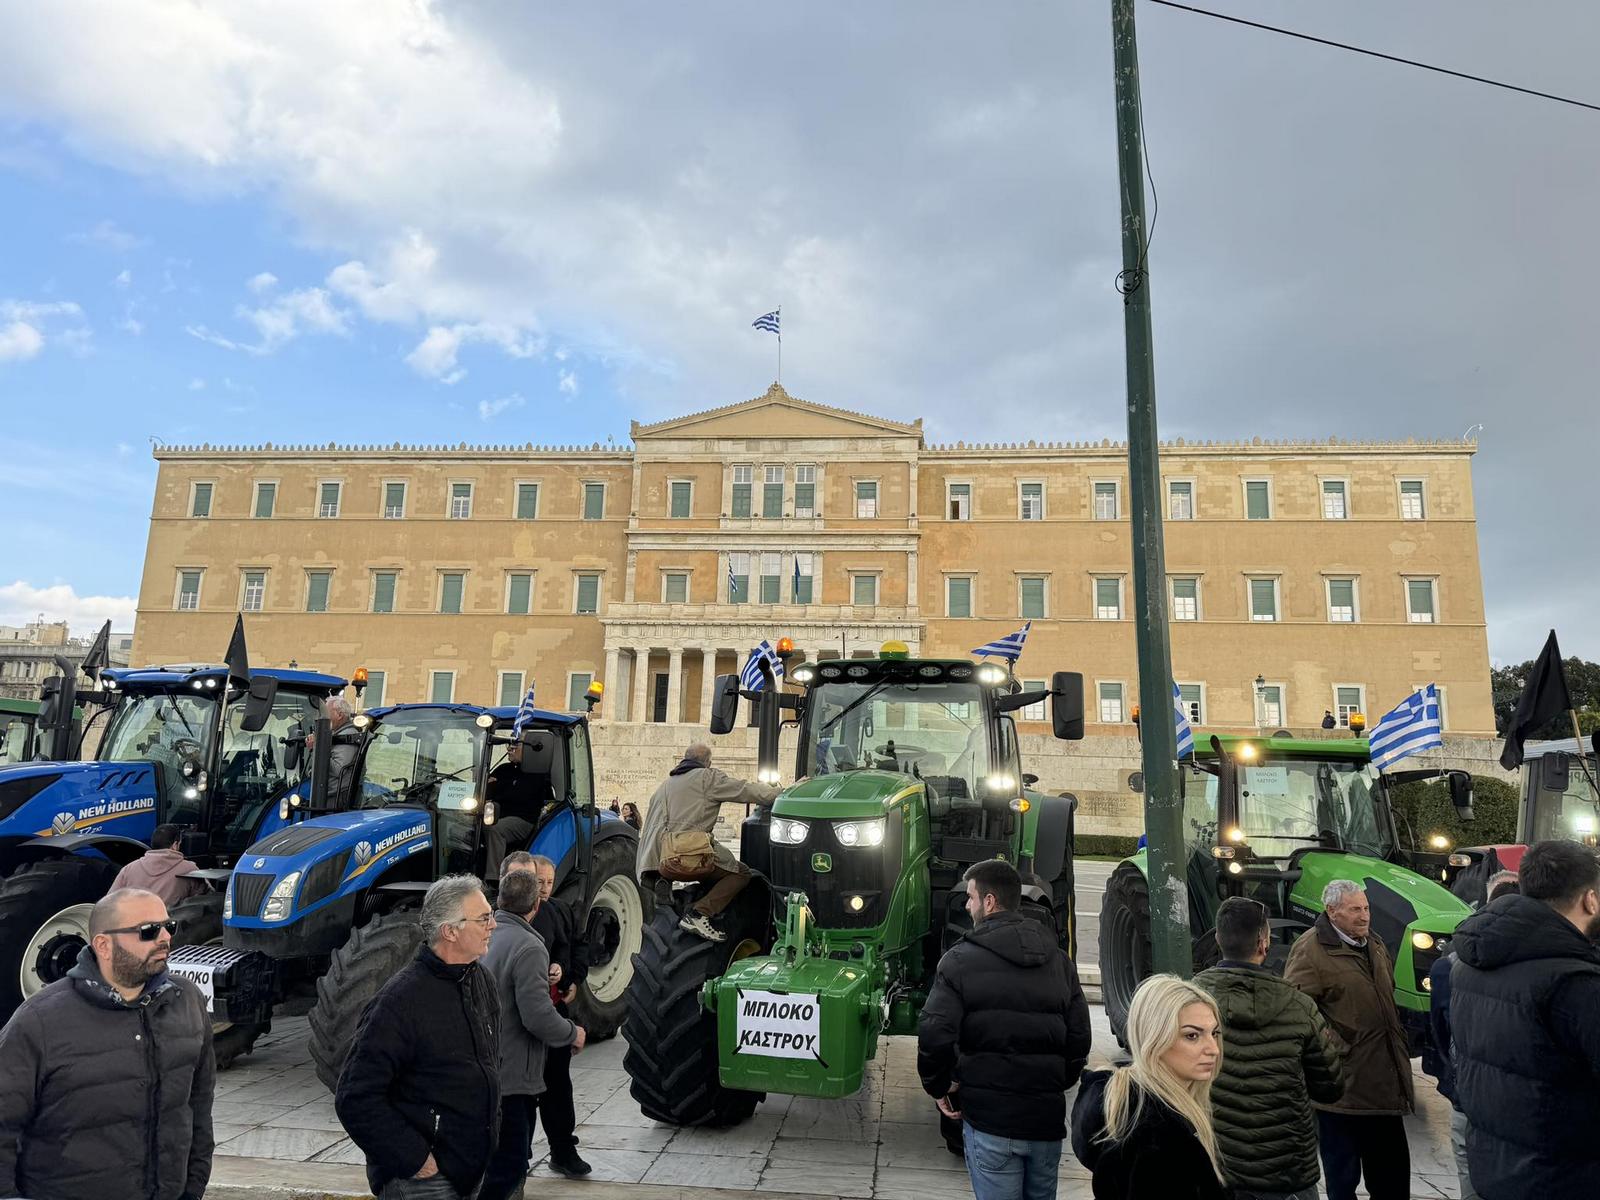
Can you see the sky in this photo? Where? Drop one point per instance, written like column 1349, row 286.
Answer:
column 505, row 222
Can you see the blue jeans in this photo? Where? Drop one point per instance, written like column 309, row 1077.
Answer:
column 1010, row 1168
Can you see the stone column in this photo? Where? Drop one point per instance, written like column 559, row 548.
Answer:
column 611, row 707
column 675, row 685
column 708, row 679
column 638, row 712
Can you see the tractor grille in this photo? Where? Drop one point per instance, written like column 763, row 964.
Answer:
column 868, row 872
column 248, row 893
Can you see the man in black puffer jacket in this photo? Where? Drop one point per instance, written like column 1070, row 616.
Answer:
column 1525, row 1018
column 1003, row 1036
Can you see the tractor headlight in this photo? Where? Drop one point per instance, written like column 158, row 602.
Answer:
column 859, row 833
column 788, row 833
column 1460, row 860
column 282, row 898
column 1422, row 941
column 227, row 902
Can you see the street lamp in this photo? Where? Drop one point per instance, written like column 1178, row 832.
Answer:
column 1261, row 702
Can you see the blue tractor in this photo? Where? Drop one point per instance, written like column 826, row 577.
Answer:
column 183, row 745
column 331, row 900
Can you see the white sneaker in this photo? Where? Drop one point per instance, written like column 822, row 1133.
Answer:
column 701, row 926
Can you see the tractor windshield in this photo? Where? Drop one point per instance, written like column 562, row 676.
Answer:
column 1292, row 804
column 422, row 757
column 1569, row 816
column 252, row 771
column 16, row 737
column 173, row 732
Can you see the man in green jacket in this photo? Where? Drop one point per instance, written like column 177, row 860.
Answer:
column 1277, row 1058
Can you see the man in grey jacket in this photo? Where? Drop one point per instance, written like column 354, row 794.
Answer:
column 520, row 964
column 106, row 1076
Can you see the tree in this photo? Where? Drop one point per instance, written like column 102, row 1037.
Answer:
column 1583, row 682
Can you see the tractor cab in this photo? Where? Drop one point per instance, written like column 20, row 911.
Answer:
column 19, row 724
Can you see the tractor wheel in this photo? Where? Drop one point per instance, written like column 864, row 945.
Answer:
column 374, row 954
column 613, row 931
column 1124, row 944
column 199, row 921
column 672, row 1041
column 44, row 923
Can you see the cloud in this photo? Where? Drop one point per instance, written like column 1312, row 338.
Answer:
column 124, row 278
column 307, row 310
column 197, row 384
column 131, row 324
column 488, row 410
column 19, row 341
column 107, row 236
column 435, row 355
column 21, row 602
column 568, row 383
column 263, row 282
column 26, row 325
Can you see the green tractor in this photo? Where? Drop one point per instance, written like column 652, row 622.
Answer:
column 910, row 773
column 1277, row 819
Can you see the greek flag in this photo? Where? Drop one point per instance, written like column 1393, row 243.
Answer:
column 769, row 322
column 524, row 716
column 733, row 583
column 1008, row 647
column 751, row 679
column 795, row 594
column 1185, row 730
column 1410, row 728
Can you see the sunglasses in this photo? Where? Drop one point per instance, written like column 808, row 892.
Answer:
column 150, row 930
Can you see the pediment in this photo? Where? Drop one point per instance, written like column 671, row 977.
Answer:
column 776, row 414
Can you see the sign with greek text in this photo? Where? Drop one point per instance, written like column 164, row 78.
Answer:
column 779, row 1026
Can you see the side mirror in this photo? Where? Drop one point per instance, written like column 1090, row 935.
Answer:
column 1029, row 779
column 1555, row 772
column 1461, row 794
column 1066, row 705
column 538, row 752
column 724, row 704
column 294, row 747
column 258, row 703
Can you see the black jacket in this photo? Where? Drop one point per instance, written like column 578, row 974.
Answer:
column 1525, row 1017
column 101, row 1097
column 1160, row 1158
column 555, row 923
column 1007, row 1021
column 423, row 1075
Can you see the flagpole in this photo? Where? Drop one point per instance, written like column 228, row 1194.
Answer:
column 780, row 345
column 1583, row 762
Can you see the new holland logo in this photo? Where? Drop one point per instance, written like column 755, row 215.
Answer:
column 259, row 863
column 363, row 853
column 63, row 823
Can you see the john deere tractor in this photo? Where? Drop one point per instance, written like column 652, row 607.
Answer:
column 911, row 773
column 1277, row 819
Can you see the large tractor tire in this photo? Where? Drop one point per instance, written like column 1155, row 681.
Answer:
column 613, row 931
column 374, row 954
column 672, row 1041
column 44, row 923
column 1124, row 944
column 199, row 921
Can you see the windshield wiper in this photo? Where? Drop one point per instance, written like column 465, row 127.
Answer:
column 175, row 707
column 436, row 777
column 853, row 705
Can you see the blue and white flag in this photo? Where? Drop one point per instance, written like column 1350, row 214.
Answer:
column 733, row 583
column 1008, row 647
column 1185, row 730
column 525, row 714
column 1412, row 726
column 751, row 679
column 795, row 594
column 769, row 322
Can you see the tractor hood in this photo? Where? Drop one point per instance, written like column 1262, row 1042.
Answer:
column 850, row 794
column 60, row 799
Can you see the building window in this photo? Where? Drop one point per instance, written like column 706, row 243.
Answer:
column 742, row 476
column 675, row 587
column 679, row 492
column 188, row 591
column 1031, row 501
column 519, row 593
column 254, row 593
column 1032, row 589
column 1347, row 699
column 372, row 697
column 442, row 687
column 328, row 499
column 958, row 501
column 771, row 578
column 1334, row 507
column 1411, row 502
column 863, row 589
column 1180, row 500
column 772, row 493
column 1257, row 500
column 1106, row 507
column 1108, row 599
column 594, row 501
column 866, row 499
column 317, row 590
column 577, row 689
column 1342, row 601
column 1269, row 705
column 1263, row 599
column 266, row 500
column 451, row 585
column 200, row 499
column 1192, row 700
column 804, row 572
column 511, row 692
column 1111, row 704
column 1037, row 710
column 1422, row 601
column 805, row 490
column 958, row 596
column 588, row 594
column 394, row 501
column 460, row 501
column 383, row 591
column 738, row 577
column 527, row 501
column 1185, row 598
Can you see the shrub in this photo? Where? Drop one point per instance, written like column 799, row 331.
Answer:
column 1428, row 809
column 1118, row 845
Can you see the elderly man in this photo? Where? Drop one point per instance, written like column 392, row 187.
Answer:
column 344, row 747
column 107, row 1084
column 689, row 801
column 420, row 1092
column 1345, row 967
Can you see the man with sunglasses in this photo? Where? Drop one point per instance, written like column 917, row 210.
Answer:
column 108, row 1074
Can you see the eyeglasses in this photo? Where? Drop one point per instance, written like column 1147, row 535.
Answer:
column 149, row 931
column 482, row 922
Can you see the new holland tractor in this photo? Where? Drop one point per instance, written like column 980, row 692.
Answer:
column 183, row 746
column 1276, row 819
column 319, row 915
column 910, row 773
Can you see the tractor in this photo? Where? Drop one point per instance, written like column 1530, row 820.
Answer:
column 910, row 773
column 20, row 740
column 1276, row 819
column 323, row 912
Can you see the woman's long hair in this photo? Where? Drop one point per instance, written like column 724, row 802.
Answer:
column 1153, row 1026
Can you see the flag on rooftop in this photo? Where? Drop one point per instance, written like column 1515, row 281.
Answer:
column 1185, row 730
column 525, row 712
column 751, row 679
column 1409, row 728
column 769, row 322
column 1008, row 647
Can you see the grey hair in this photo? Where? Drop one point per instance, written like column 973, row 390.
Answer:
column 336, row 704
column 1500, row 877
column 1337, row 892
column 539, row 860
column 442, row 905
column 698, row 751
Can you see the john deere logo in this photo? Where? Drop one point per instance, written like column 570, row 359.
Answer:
column 821, row 862
column 63, row 823
column 363, row 852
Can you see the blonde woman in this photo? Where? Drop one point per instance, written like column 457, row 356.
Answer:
column 1144, row 1130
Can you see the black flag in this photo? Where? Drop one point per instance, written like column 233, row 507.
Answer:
column 99, row 656
column 238, row 661
column 1544, row 697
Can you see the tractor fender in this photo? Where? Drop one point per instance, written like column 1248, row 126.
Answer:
column 120, row 850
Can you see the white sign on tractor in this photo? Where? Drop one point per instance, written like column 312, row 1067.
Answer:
column 779, row 1026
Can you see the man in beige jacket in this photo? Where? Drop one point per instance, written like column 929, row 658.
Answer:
column 689, row 800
